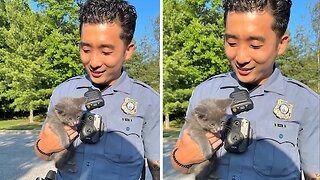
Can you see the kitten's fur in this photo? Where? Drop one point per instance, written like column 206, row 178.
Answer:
column 208, row 116
column 67, row 111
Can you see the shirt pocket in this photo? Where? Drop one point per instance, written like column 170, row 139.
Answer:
column 123, row 142
column 276, row 152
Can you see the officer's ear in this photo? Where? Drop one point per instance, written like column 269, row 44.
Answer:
column 129, row 51
column 283, row 43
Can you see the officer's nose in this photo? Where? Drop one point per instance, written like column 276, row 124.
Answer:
column 95, row 60
column 242, row 56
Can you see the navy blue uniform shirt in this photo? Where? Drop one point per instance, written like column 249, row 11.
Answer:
column 285, row 122
column 127, row 138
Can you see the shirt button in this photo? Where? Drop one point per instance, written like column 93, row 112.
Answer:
column 128, row 129
column 234, row 177
column 280, row 136
column 88, row 163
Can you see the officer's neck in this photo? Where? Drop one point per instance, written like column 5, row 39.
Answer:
column 249, row 87
column 101, row 87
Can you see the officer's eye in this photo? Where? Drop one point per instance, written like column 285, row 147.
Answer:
column 106, row 53
column 232, row 44
column 86, row 51
column 255, row 46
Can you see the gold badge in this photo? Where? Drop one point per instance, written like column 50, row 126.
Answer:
column 283, row 109
column 129, row 106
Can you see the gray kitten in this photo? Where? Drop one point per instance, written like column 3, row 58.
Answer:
column 67, row 111
column 208, row 116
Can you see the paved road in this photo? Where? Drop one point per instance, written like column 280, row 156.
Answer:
column 168, row 172
column 17, row 158
column 18, row 161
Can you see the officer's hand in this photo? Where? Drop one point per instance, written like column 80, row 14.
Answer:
column 215, row 141
column 49, row 142
column 188, row 151
column 71, row 131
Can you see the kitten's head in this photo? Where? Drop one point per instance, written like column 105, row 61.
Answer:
column 69, row 110
column 211, row 114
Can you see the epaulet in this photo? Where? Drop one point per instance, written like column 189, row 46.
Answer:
column 217, row 76
column 144, row 85
column 73, row 78
column 301, row 85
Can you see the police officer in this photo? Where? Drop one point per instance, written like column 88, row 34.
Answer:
column 131, row 111
column 285, row 117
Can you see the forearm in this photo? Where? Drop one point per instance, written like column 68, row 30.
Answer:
column 40, row 152
column 312, row 176
column 177, row 165
column 154, row 167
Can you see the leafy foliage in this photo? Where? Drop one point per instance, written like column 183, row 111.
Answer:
column 39, row 49
column 144, row 63
column 301, row 60
column 193, row 49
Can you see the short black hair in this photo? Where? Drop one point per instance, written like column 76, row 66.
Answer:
column 105, row 11
column 280, row 9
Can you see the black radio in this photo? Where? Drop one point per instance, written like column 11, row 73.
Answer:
column 240, row 101
column 91, row 126
column 93, row 99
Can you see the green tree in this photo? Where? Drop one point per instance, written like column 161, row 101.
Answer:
column 23, row 70
column 62, row 42
column 39, row 51
column 301, row 60
column 193, row 49
column 144, row 63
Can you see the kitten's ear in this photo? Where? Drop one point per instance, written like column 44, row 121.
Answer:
column 224, row 103
column 80, row 101
column 200, row 113
column 59, row 108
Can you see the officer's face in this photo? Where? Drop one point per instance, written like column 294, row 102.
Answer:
column 252, row 46
column 102, row 52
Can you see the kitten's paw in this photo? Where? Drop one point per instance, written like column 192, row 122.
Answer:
column 65, row 144
column 207, row 152
column 72, row 168
column 71, row 162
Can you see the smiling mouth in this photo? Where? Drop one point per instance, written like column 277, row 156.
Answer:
column 96, row 74
column 244, row 71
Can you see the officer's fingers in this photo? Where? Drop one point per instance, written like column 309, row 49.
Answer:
column 213, row 139
column 211, row 135
column 68, row 128
column 71, row 132
column 73, row 135
column 216, row 144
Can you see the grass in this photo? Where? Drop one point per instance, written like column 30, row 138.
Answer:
column 19, row 124
column 172, row 132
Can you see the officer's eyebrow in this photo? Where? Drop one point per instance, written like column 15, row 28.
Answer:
column 250, row 38
column 84, row 44
column 230, row 36
column 257, row 38
column 110, row 46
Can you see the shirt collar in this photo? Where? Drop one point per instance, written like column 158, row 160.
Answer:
column 122, row 84
column 273, row 84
